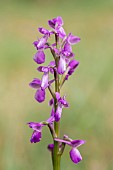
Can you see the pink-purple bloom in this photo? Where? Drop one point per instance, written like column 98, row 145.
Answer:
column 41, row 43
column 39, row 57
column 61, row 102
column 71, row 39
column 67, row 50
column 62, row 65
column 50, row 147
column 74, row 152
column 57, row 24
column 40, row 93
column 44, row 31
column 73, row 64
column 37, row 127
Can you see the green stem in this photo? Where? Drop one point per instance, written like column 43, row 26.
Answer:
column 56, row 158
column 56, row 155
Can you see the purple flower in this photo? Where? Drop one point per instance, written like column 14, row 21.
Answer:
column 67, row 50
column 62, row 65
column 74, row 152
column 39, row 57
column 41, row 43
column 40, row 93
column 60, row 31
column 50, row 147
column 41, row 85
column 73, row 64
column 37, row 127
column 44, row 31
column 61, row 102
column 35, row 83
column 56, row 24
column 71, row 39
column 45, row 78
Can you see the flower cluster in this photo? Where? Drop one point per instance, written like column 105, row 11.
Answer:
column 60, row 68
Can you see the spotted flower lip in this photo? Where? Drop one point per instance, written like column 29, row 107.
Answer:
column 74, row 152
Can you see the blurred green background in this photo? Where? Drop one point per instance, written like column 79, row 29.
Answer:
column 89, row 91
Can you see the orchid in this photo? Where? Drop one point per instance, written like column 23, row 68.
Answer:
column 61, row 102
column 54, row 75
column 37, row 127
column 40, row 93
column 74, row 152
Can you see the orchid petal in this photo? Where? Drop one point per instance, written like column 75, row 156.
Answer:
column 53, row 112
column 36, row 137
column 61, row 32
column 45, row 79
column 50, row 147
column 75, row 155
column 77, row 143
column 51, row 102
column 35, row 126
column 58, row 113
column 43, row 69
column 73, row 39
column 35, row 83
column 43, row 31
column 63, row 141
column 42, row 41
column 62, row 65
column 39, row 57
column 57, row 96
column 72, row 66
column 50, row 120
column 55, row 22
column 40, row 95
